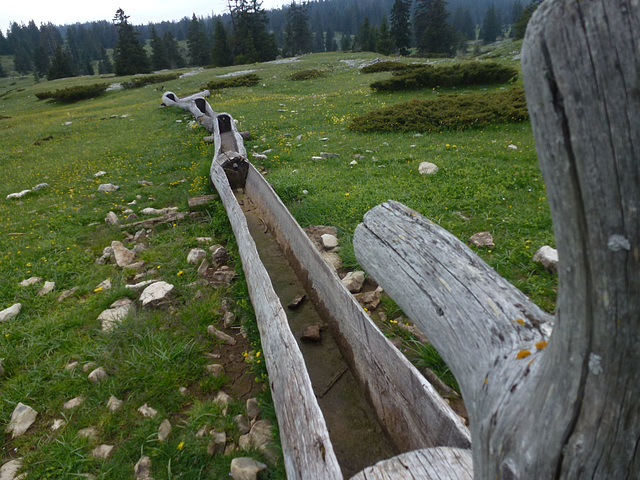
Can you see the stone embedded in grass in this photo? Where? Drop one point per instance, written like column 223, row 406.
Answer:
column 146, row 411
column 9, row 470
column 219, row 254
column 58, row 423
column 158, row 211
column 104, row 285
column 30, row 281
column 67, row 293
column 9, row 313
column 99, row 174
column 102, row 452
column 427, row 168
column 113, row 404
column 71, row 365
column 98, row 375
column 329, row 241
column 112, row 219
column 242, row 423
column 482, row 239
column 203, row 268
column 253, row 408
column 223, row 337
column 107, row 188
column 156, row 293
column 316, row 158
column 246, row 468
column 548, row 257
column 217, row 443
column 333, row 259
column 18, row 194
column 122, row 254
column 228, row 319
column 140, row 285
column 142, row 469
column 90, row 433
column 354, row 281
column 223, row 275
column 196, row 255
column 22, row 418
column 73, row 403
column 47, row 288
column 215, row 370
column 164, row 430
column 112, row 316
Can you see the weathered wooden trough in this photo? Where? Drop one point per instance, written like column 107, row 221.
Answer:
column 411, row 413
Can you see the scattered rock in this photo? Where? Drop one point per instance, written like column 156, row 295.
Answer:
column 219, row 255
column 30, row 281
column 217, row 443
column 108, row 188
column 122, row 254
column 18, row 194
column 89, row 366
column 548, row 257
column 196, row 256
column 246, row 468
column 111, row 317
column 146, row 411
column 102, row 452
column 333, row 259
column 242, row 423
column 223, row 276
column 47, row 288
column 71, row 365
column 156, row 293
column 145, row 183
column 22, row 418
column 482, row 239
column 369, row 300
column 253, row 408
column 139, row 285
column 98, row 375
column 427, row 168
column 158, row 211
column 183, row 390
column 11, row 312
column 73, row 403
column 311, row 334
column 197, row 203
column 223, row 400
column 262, row 439
column 296, row 302
column 112, row 219
column 90, row 433
column 164, row 430
column 9, row 471
column 354, row 281
column 228, row 319
column 204, row 239
column 113, row 404
column 203, row 268
column 140, row 234
column 142, row 469
column 215, row 370
column 67, row 293
column 57, row 424
column 329, row 241
column 412, row 329
column 223, row 337
column 99, row 174
column 104, row 285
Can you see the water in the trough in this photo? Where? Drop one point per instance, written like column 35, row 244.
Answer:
column 355, row 433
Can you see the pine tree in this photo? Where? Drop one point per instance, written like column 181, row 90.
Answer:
column 490, row 26
column 345, row 42
column 104, row 64
column 61, row 65
column 401, row 25
column 367, row 36
column 40, row 61
column 434, row 35
column 197, row 43
column 463, row 23
column 220, row 52
column 22, row 60
column 2, row 72
column 129, row 55
column 521, row 25
column 318, row 41
column 298, row 37
column 384, row 44
column 330, row 44
column 250, row 40
column 159, row 58
column 176, row 60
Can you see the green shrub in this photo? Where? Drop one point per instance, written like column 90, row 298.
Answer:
column 385, row 66
column 149, row 79
column 458, row 75
column 73, row 94
column 306, row 75
column 456, row 112
column 247, row 80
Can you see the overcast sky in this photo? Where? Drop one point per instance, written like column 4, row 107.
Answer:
column 140, row 11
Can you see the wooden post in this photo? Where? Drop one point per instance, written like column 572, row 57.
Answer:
column 571, row 410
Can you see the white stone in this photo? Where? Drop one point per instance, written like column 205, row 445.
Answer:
column 146, row 411
column 11, row 312
column 123, row 255
column 353, row 162
column 104, row 285
column 333, row 259
column 196, row 255
column 9, row 470
column 107, row 187
column 204, row 239
column 482, row 239
column 142, row 469
column 18, row 194
column 90, row 433
column 217, row 444
column 246, row 468
column 112, row 219
column 158, row 211
column 512, row 146
column 215, row 370
column 164, row 430
column 253, row 408
column 220, row 335
column 548, row 257
column 30, row 281
column 353, row 281
column 22, row 418
column 47, row 288
column 427, row 168
column 98, row 375
column 99, row 174
column 73, row 403
column 156, row 293
column 111, row 317
column 71, row 365
column 58, row 423
column 113, row 404
column 140, row 285
column 315, row 157
column 102, row 451
column 329, row 241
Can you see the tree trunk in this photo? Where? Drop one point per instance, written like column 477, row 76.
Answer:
column 570, row 411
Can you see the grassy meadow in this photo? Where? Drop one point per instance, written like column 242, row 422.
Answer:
column 57, row 233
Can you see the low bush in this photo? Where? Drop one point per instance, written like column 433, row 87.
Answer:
column 247, row 80
column 458, row 75
column 455, row 112
column 385, row 66
column 73, row 94
column 306, row 75
column 149, row 79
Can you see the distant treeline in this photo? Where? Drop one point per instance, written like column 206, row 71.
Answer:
column 301, row 27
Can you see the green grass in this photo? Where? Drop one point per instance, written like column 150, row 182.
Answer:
column 58, row 232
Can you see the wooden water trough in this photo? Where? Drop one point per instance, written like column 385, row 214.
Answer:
column 409, row 410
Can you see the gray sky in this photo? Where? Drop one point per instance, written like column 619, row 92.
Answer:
column 140, row 11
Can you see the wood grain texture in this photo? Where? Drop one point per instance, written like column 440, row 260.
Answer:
column 441, row 463
column 571, row 410
column 408, row 407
